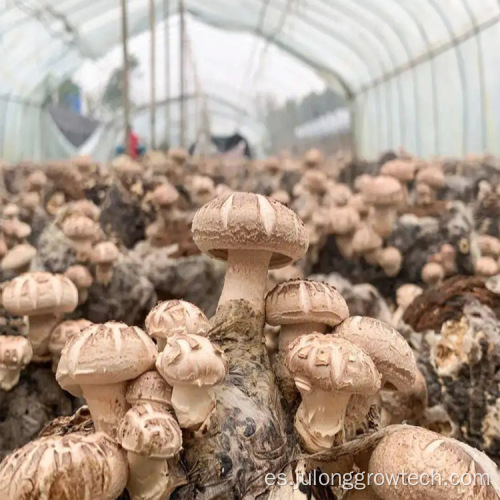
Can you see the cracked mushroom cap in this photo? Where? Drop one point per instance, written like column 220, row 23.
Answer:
column 387, row 348
column 420, row 451
column 366, row 240
column 105, row 354
column 300, row 301
column 246, row 221
column 344, row 220
column 15, row 351
column 70, row 467
column 149, row 387
column 64, row 332
column 165, row 195
column 80, row 276
column 105, row 253
column 432, row 176
column 191, row 360
column 406, row 294
column 149, row 430
column 176, row 316
column 39, row 293
column 18, row 257
column 383, row 191
column 331, row 364
column 403, row 171
column 79, row 227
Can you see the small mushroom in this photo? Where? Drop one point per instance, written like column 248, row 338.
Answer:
column 98, row 363
column 313, row 158
column 405, row 295
column 127, row 171
column 60, row 336
column 175, row 316
column 43, row 297
column 15, row 354
column 390, row 260
column 367, row 243
column 82, row 279
column 432, row 273
column 433, row 177
column 486, row 267
column 84, row 207
column 343, row 224
column 448, row 258
column 192, row 365
column 36, row 182
column 150, row 435
column 403, row 171
column 104, row 255
column 165, row 197
column 150, row 387
column 489, row 245
column 81, row 231
column 69, row 467
column 253, row 233
column 18, row 258
column 15, row 231
column 327, row 370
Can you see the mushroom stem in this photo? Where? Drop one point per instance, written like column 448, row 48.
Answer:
column 9, row 377
column 107, row 405
column 83, row 248
column 192, row 404
column 40, row 327
column 289, row 333
column 320, row 418
column 148, row 477
column 104, row 273
column 246, row 277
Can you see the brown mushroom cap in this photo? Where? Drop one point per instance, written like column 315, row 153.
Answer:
column 165, row 195
column 79, row 227
column 246, row 221
column 40, row 293
column 344, row 220
column 148, row 430
column 80, row 276
column 366, row 240
column 150, row 387
column 298, row 301
column 18, row 257
column 383, row 191
column 105, row 354
column 105, row 253
column 64, row 468
column 419, row 451
column 387, row 348
column 332, row 364
column 176, row 316
column 193, row 360
column 401, row 170
column 432, row 176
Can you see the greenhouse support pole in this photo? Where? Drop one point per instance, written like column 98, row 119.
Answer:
column 182, row 69
column 126, row 102
column 166, row 12
column 152, row 66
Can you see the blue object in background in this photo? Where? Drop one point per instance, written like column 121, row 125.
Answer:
column 73, row 102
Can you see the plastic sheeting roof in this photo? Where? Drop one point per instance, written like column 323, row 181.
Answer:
column 418, row 73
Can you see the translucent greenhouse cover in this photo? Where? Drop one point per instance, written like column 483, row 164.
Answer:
column 422, row 74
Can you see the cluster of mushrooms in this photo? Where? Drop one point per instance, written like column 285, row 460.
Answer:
column 149, row 389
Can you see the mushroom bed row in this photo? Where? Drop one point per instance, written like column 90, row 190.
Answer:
column 279, row 374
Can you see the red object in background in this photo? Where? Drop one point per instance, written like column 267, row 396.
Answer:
column 133, row 144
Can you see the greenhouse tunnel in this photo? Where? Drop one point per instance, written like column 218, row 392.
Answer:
column 421, row 75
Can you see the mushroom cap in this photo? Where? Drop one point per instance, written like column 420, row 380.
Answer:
column 178, row 154
column 432, row 176
column 300, row 301
column 150, row 387
column 18, row 257
column 165, row 195
column 314, row 180
column 339, row 194
column 30, row 200
column 401, row 170
column 85, row 207
column 65, row 467
column 383, row 191
column 15, row 351
column 406, row 294
column 191, row 360
column 82, row 161
column 36, row 180
column 246, row 221
column 105, row 354
column 486, row 266
column 15, row 228
column 38, row 293
column 344, row 220
column 64, row 332
column 448, row 251
column 489, row 245
column 432, row 272
column 272, row 164
column 124, row 165
column 11, row 211
column 390, row 260
column 361, row 182
column 332, row 364
column 79, row 227
column 421, row 451
column 80, row 276
column 313, row 157
column 387, row 348
column 357, row 201
column 201, row 184
column 176, row 316
column 148, row 429
column 366, row 240
column 281, row 196
column 104, row 253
